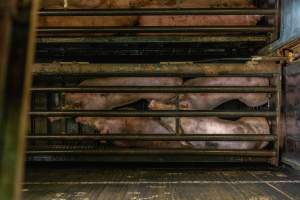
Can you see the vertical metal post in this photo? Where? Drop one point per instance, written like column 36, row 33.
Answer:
column 277, row 21
column 19, row 33
column 177, row 119
column 278, row 131
column 6, row 7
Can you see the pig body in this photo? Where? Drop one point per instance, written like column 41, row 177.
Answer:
column 92, row 4
column 208, row 101
column 88, row 21
column 108, row 101
column 135, row 126
column 210, row 125
column 201, row 20
column 213, row 125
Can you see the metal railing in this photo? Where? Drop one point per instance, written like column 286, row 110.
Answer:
column 267, row 69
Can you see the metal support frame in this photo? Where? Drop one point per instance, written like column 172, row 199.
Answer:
column 277, row 128
column 159, row 137
column 158, row 89
column 157, row 11
column 156, row 29
column 17, row 52
column 265, row 68
column 167, row 113
column 274, row 12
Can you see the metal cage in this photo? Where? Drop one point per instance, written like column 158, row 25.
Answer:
column 237, row 44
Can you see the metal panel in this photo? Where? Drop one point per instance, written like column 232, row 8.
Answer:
column 290, row 25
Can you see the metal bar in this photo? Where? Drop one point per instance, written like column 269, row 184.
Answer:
column 177, row 119
column 21, row 16
column 155, row 152
column 5, row 39
column 147, row 159
column 157, row 89
column 125, row 113
column 153, row 29
column 156, row 11
column 277, row 20
column 159, row 137
column 278, row 130
column 152, row 39
column 156, row 69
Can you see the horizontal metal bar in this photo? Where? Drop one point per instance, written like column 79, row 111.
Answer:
column 157, row 89
column 158, row 69
column 146, row 159
column 153, row 29
column 159, row 137
column 156, row 11
column 155, row 152
column 126, row 113
column 152, row 39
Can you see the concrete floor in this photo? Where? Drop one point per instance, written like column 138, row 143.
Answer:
column 137, row 182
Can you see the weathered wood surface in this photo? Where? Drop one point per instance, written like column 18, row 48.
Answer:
column 172, row 183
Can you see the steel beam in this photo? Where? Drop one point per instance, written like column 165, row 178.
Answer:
column 159, row 137
column 168, row 113
column 146, row 152
column 158, row 89
column 154, row 29
column 156, row 11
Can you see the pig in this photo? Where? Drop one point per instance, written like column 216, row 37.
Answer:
column 135, row 126
column 88, row 21
column 209, row 101
column 201, row 125
column 204, row 3
column 201, row 20
column 92, row 4
column 214, row 125
column 108, row 101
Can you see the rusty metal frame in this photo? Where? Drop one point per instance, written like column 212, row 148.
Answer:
column 275, row 12
column 260, row 67
column 257, row 67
